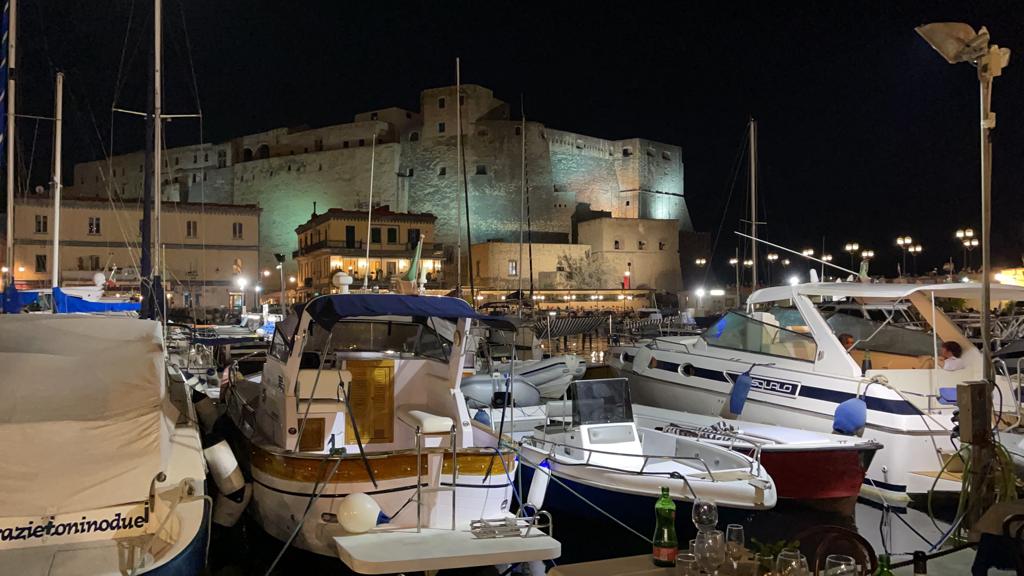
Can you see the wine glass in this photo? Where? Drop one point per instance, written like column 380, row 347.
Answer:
column 687, row 565
column 734, row 542
column 790, row 562
column 711, row 550
column 765, row 564
column 840, row 565
column 704, row 515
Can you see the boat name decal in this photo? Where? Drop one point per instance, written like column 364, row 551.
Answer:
column 772, row 386
column 114, row 522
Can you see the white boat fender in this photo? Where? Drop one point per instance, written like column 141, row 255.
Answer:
column 228, row 508
column 224, row 468
column 850, row 418
column 206, row 410
column 739, row 393
column 539, row 485
column 358, row 513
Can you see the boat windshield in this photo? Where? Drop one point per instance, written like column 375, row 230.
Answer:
column 879, row 336
column 402, row 338
column 764, row 334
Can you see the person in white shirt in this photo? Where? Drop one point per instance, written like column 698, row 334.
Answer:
column 950, row 356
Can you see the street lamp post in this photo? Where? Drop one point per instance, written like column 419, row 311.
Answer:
column 242, row 283
column 958, row 42
column 904, row 242
column 966, row 236
column 826, row 257
column 865, row 256
column 914, row 251
column 851, row 248
column 772, row 257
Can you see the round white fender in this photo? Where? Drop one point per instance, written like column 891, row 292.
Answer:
column 228, row 508
column 224, row 468
column 358, row 512
column 539, row 485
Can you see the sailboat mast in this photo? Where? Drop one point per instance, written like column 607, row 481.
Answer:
column 157, row 150
column 11, row 36
column 459, row 168
column 57, row 129
column 522, row 203
column 369, row 209
column 753, row 202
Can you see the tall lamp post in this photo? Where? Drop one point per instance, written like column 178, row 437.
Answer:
column 914, row 251
column 966, row 237
column 851, row 248
column 772, row 257
column 826, row 257
column 904, row 242
column 958, row 42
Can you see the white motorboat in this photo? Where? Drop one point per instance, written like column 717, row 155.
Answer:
column 551, row 376
column 103, row 467
column 799, row 375
column 360, row 445
column 621, row 468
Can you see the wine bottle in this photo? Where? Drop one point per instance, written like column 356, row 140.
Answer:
column 666, row 545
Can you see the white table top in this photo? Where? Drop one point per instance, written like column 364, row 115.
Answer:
column 403, row 550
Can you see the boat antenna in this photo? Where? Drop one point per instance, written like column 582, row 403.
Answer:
column 753, row 203
column 795, row 253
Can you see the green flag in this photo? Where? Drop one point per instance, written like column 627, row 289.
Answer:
column 410, row 276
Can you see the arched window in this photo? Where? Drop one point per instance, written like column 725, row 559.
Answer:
column 246, row 154
column 263, row 152
column 414, row 137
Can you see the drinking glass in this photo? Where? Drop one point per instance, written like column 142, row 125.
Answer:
column 790, row 563
column 765, row 564
column 693, row 546
column 687, row 565
column 711, row 550
column 840, row 565
column 704, row 515
column 734, row 542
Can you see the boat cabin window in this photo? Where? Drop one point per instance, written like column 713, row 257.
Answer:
column 763, row 335
column 601, row 401
column 403, row 338
column 878, row 336
column 279, row 347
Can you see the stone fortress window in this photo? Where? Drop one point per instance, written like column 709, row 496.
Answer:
column 641, row 245
column 441, row 103
column 414, row 137
column 373, row 115
column 616, row 245
column 627, row 152
column 442, row 171
column 661, row 245
column 519, row 130
column 665, row 155
column 440, row 127
column 481, row 169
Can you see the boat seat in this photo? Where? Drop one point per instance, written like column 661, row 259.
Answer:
column 417, row 417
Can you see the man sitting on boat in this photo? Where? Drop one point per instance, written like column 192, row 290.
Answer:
column 950, row 359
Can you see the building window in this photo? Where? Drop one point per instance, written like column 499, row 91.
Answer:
column 362, row 142
column 442, row 171
column 195, row 158
column 40, row 223
column 94, row 226
column 375, row 236
column 236, row 230
column 409, row 173
column 440, row 103
column 140, row 171
column 344, row 144
column 373, row 115
column 204, row 175
column 462, row 99
column 176, row 160
column 627, row 203
column 191, row 229
column 206, row 157
column 627, row 152
column 414, row 236
column 481, row 169
column 616, row 245
column 263, row 152
column 414, row 137
column 513, row 268
column 665, row 155
column 392, row 235
column 661, row 245
column 641, row 245
column 650, row 152
column 195, row 178
column 440, row 127
column 94, row 262
column 519, row 130
column 318, row 144
column 40, row 262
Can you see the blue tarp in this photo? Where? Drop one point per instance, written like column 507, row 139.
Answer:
column 67, row 304
column 327, row 310
column 15, row 300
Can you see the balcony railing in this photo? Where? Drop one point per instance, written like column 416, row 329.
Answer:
column 375, row 247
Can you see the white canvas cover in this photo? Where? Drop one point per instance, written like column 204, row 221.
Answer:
column 81, row 422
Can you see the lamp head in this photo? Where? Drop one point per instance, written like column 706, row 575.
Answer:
column 955, row 41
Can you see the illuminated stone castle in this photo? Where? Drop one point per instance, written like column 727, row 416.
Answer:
column 286, row 170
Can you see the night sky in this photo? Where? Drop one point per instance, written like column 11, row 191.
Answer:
column 865, row 132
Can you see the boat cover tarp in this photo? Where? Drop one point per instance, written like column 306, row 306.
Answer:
column 81, row 421
column 15, row 300
column 329, row 309
column 65, row 303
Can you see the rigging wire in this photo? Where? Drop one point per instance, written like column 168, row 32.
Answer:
column 725, row 209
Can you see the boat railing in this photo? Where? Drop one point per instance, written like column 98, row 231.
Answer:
column 551, row 447
column 999, row 367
